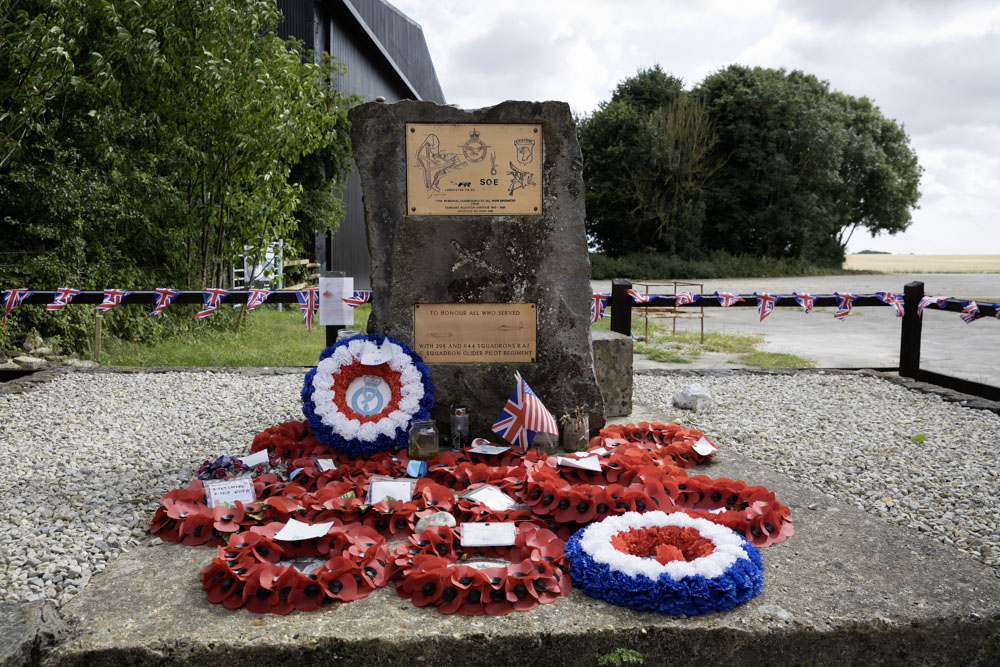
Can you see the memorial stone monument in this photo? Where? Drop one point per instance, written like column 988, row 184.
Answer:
column 475, row 223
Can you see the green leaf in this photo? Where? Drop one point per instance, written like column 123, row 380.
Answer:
column 919, row 437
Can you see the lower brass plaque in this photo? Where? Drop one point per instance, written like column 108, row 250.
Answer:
column 468, row 333
column 486, row 169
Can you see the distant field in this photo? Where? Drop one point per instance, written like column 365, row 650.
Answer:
column 924, row 263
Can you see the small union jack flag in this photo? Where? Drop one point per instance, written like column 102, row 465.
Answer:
column 112, row 298
column 359, row 297
column 727, row 299
column 684, row 298
column 640, row 298
column 12, row 298
column 970, row 312
column 894, row 299
column 928, row 300
column 309, row 303
column 765, row 303
column 257, row 296
column 62, row 296
column 996, row 310
column 213, row 296
column 845, row 301
column 523, row 416
column 597, row 303
column 805, row 299
column 164, row 297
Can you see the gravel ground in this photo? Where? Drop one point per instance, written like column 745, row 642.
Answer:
column 851, row 436
column 88, row 455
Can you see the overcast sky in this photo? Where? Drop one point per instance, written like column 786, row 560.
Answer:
column 932, row 65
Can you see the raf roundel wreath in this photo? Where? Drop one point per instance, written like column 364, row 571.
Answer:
column 359, row 409
column 670, row 563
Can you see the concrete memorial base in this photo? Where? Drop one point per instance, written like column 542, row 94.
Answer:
column 847, row 588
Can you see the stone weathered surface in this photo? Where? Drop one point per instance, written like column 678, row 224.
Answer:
column 693, row 397
column 30, row 363
column 27, row 631
column 613, row 368
column 479, row 259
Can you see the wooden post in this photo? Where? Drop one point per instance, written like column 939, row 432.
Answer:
column 621, row 306
column 909, row 342
column 98, row 316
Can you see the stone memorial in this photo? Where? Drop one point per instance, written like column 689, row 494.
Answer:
column 475, row 224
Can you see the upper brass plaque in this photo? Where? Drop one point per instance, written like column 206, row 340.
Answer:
column 487, row 169
column 467, row 333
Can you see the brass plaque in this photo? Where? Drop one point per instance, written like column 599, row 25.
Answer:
column 486, row 169
column 474, row 333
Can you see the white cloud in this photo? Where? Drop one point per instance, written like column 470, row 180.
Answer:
column 928, row 64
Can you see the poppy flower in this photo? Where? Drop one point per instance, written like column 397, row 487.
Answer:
column 343, row 581
column 227, row 519
column 196, row 529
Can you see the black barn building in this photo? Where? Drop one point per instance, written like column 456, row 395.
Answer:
column 386, row 56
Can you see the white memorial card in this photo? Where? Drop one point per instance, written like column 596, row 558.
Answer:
column 333, row 310
column 704, row 447
column 491, row 496
column 229, row 491
column 588, row 463
column 600, row 451
column 487, row 534
column 325, row 464
column 374, row 354
column 483, row 446
column 389, row 488
column 298, row 530
column 259, row 458
column 303, row 565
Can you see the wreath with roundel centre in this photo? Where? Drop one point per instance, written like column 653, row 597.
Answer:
column 358, row 407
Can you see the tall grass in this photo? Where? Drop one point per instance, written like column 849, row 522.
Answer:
column 645, row 266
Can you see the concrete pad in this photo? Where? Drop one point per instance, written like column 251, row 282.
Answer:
column 847, row 588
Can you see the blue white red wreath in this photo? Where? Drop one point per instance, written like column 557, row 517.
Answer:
column 360, row 410
column 728, row 576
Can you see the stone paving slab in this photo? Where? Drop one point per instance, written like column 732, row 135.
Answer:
column 846, row 589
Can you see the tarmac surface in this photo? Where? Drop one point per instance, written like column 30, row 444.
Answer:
column 868, row 338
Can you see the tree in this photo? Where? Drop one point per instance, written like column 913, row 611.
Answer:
column 803, row 166
column 153, row 142
column 645, row 161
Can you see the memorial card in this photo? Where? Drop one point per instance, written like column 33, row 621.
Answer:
column 487, row 534
column 218, row 492
column 704, row 447
column 333, row 310
column 325, row 464
column 390, row 488
column 298, row 530
column 258, row 458
column 589, row 463
column 491, row 496
column 484, row 446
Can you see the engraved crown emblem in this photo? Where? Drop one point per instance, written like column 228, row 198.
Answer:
column 524, row 142
column 474, row 135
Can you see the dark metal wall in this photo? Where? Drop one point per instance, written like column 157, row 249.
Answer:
column 386, row 56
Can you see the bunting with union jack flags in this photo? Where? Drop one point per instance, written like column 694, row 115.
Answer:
column 765, row 303
column 62, row 296
column 164, row 297
column 845, row 301
column 12, row 298
column 112, row 298
column 523, row 416
column 806, row 300
column 212, row 296
column 727, row 299
column 970, row 312
column 927, row 301
column 640, row 298
column 359, row 297
column 309, row 303
column 257, row 296
column 684, row 298
column 598, row 302
column 894, row 299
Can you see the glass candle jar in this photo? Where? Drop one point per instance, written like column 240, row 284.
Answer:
column 459, row 427
column 423, row 440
